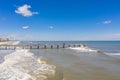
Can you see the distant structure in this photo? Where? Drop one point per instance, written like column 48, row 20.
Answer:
column 4, row 40
column 38, row 46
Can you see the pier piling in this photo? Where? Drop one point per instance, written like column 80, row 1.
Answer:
column 63, row 45
column 57, row 46
column 38, row 47
column 51, row 46
column 30, row 47
column 45, row 47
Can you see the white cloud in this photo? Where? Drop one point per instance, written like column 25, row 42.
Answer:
column 24, row 11
column 51, row 27
column 25, row 27
column 107, row 22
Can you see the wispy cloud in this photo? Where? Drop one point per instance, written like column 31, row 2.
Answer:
column 24, row 11
column 25, row 27
column 107, row 22
column 51, row 27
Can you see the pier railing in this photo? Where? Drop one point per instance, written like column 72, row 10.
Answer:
column 38, row 46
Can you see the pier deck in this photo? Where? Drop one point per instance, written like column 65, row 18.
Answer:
column 38, row 46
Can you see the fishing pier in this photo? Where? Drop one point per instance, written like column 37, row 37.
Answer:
column 38, row 46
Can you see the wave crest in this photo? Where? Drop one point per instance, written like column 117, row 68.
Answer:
column 85, row 49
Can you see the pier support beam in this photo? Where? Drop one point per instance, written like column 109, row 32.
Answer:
column 68, row 45
column 45, row 46
column 51, row 46
column 57, row 46
column 23, row 47
column 5, row 47
column 79, row 45
column 38, row 47
column 30, row 47
column 74, row 45
column 63, row 45
column 14, row 47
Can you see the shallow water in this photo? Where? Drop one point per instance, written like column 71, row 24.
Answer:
column 76, row 65
column 83, row 66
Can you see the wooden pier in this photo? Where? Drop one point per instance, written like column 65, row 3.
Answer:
column 38, row 46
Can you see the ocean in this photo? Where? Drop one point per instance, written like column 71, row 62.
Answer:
column 63, row 63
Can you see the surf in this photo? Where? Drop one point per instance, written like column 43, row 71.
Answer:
column 113, row 54
column 84, row 49
column 23, row 65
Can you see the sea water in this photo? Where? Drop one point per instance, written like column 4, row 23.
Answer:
column 63, row 64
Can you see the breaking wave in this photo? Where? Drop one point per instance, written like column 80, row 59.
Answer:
column 23, row 65
column 84, row 49
column 113, row 54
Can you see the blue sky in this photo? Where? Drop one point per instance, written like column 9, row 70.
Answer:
column 60, row 19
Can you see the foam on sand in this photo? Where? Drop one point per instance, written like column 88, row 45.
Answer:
column 23, row 65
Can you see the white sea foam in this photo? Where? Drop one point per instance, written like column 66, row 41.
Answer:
column 23, row 65
column 83, row 49
column 113, row 54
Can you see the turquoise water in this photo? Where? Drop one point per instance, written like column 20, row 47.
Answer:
column 78, row 65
